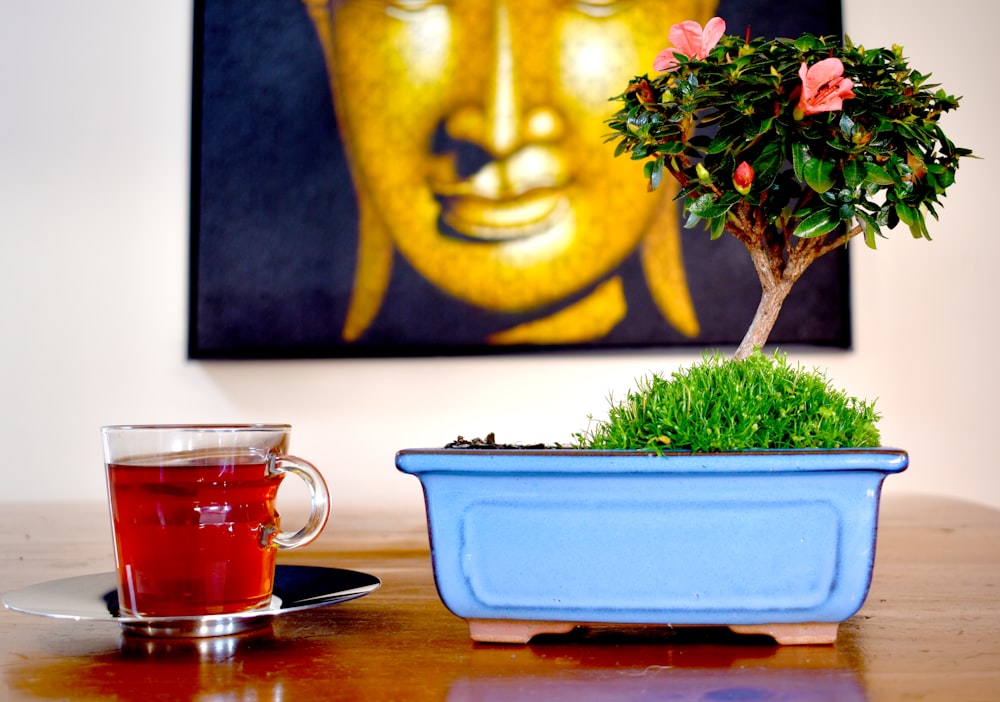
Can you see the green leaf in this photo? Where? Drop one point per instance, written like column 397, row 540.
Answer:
column 718, row 227
column 918, row 227
column 759, row 129
column 946, row 180
column 656, row 177
column 907, row 215
column 869, row 226
column 817, row 224
column 706, row 206
column 805, row 42
column 819, row 174
column 724, row 140
column 671, row 147
column 847, row 125
column 854, row 173
column 800, row 154
column 876, row 174
column 767, row 166
column 692, row 221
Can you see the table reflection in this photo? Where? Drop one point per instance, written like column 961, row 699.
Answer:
column 665, row 683
column 253, row 666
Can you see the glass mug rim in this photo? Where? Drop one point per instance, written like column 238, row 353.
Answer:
column 199, row 427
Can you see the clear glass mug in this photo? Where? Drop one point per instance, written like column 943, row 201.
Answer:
column 193, row 514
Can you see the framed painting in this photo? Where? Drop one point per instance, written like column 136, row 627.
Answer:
column 410, row 177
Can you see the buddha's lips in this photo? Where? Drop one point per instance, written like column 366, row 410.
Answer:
column 523, row 194
column 506, row 219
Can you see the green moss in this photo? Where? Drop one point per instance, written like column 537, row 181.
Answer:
column 760, row 402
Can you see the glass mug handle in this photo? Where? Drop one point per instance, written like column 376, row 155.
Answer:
column 319, row 496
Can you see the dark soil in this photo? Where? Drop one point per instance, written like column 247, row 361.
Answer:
column 490, row 442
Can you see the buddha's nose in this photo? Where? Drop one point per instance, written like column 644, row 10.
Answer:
column 498, row 121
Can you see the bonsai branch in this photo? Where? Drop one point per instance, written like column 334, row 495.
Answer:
column 780, row 260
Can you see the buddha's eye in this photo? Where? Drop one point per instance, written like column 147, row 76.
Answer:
column 404, row 6
column 601, row 8
column 412, row 10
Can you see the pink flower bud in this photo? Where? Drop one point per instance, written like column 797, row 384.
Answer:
column 743, row 178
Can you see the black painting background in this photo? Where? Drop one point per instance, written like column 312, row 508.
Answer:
column 273, row 215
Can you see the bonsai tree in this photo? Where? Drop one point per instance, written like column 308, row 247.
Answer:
column 794, row 147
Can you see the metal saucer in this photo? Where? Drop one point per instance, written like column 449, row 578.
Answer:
column 95, row 598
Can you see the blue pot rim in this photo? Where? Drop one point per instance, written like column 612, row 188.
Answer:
column 576, row 461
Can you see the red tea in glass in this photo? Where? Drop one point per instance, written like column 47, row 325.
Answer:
column 193, row 513
column 194, row 539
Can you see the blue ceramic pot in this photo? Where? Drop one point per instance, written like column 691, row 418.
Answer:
column 532, row 541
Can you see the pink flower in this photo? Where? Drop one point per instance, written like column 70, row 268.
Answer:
column 743, row 178
column 824, row 87
column 689, row 39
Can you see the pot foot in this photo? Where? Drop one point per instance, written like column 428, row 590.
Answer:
column 793, row 634
column 514, row 631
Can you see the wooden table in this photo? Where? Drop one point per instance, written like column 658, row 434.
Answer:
column 930, row 630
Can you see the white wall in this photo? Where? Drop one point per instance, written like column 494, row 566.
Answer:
column 94, row 100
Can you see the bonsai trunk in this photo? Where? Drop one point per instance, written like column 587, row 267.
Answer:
column 771, row 299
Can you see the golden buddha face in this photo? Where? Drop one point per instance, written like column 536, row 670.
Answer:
column 475, row 132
